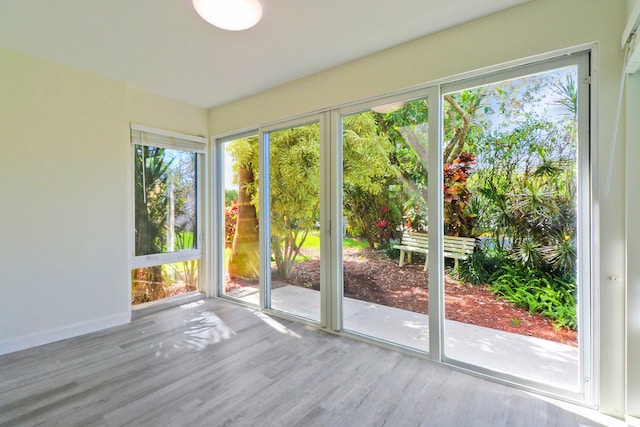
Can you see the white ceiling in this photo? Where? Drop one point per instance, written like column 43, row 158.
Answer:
column 164, row 47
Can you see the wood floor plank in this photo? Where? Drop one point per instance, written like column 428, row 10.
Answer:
column 213, row 363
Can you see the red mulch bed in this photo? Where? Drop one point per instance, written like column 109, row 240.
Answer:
column 373, row 277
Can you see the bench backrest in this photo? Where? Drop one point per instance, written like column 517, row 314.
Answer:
column 459, row 245
column 415, row 239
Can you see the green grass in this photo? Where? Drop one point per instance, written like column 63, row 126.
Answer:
column 353, row 243
column 313, row 242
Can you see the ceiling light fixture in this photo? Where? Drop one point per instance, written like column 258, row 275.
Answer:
column 232, row 15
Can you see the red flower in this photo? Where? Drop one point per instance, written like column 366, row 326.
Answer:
column 381, row 223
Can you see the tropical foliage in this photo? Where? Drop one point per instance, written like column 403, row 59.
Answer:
column 295, row 192
column 538, row 292
column 164, row 217
column 509, row 155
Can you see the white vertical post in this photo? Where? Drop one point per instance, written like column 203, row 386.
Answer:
column 436, row 227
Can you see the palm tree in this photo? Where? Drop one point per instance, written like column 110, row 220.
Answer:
column 151, row 202
column 245, row 249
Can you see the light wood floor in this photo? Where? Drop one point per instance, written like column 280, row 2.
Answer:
column 219, row 364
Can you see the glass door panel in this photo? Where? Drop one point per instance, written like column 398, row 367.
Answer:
column 510, row 156
column 294, row 200
column 240, row 169
column 384, row 206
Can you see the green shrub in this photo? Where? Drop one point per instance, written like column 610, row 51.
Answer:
column 480, row 266
column 538, row 292
column 392, row 252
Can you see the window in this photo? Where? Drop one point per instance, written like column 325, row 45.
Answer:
column 166, row 214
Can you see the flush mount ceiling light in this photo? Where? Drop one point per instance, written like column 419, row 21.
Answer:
column 233, row 15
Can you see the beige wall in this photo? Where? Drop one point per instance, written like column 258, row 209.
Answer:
column 64, row 179
column 63, row 168
column 534, row 28
column 148, row 109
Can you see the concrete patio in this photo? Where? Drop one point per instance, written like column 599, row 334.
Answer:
column 522, row 356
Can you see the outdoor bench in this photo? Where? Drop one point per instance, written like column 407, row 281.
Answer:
column 454, row 247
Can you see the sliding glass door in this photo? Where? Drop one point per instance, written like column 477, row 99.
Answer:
column 451, row 221
column 384, row 204
column 515, row 156
column 294, row 234
column 269, row 218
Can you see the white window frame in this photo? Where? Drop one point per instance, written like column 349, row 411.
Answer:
column 586, row 162
column 154, row 137
column 265, row 222
column 216, row 260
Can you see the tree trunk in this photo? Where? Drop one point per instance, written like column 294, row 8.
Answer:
column 456, row 145
column 244, row 259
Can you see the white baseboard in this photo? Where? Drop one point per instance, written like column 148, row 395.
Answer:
column 165, row 303
column 46, row 337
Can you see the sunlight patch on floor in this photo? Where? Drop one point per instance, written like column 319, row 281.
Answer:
column 274, row 323
column 206, row 329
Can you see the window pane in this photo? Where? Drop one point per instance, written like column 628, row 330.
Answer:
column 165, row 200
column 295, row 214
column 162, row 281
column 384, row 194
column 241, row 223
column 510, row 181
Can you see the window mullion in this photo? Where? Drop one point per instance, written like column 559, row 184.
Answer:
column 436, row 222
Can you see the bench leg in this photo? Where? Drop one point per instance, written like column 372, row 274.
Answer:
column 426, row 261
column 401, row 261
column 455, row 263
column 409, row 257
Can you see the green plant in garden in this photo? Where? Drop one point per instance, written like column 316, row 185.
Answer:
column 295, row 189
column 295, row 201
column 458, row 221
column 151, row 202
column 367, row 179
column 509, row 176
column 164, row 216
column 538, row 292
column 534, row 218
column 151, row 199
column 414, row 213
column 481, row 265
column 230, row 222
column 523, row 134
column 363, row 213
